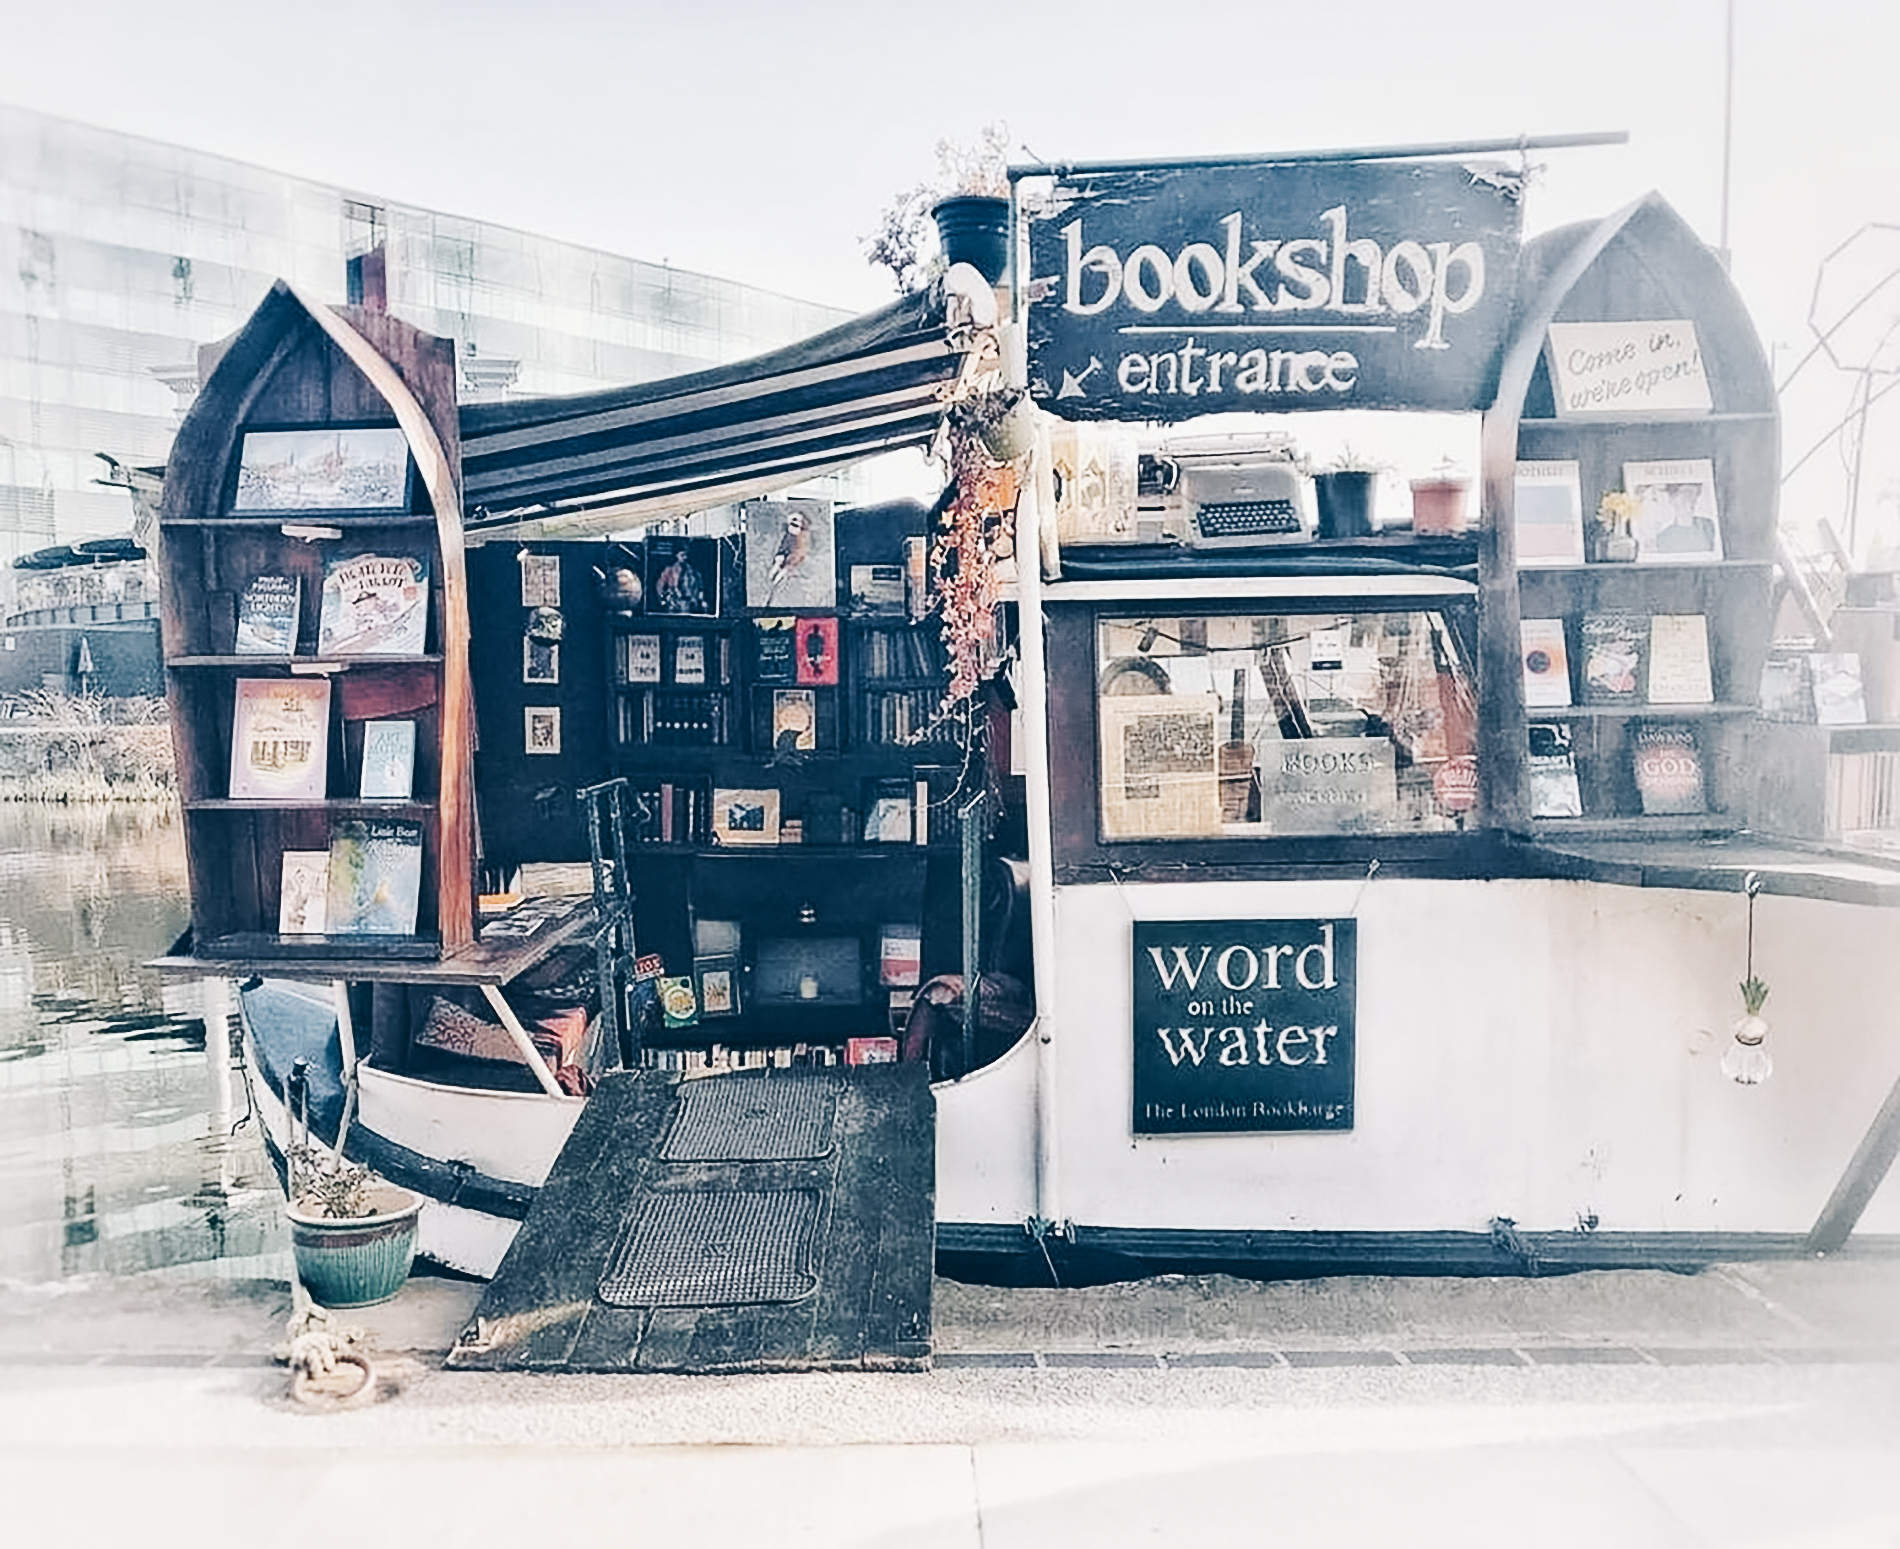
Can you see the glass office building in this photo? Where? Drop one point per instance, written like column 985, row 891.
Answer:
column 120, row 256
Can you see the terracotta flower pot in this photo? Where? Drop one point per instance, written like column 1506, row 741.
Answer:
column 1438, row 506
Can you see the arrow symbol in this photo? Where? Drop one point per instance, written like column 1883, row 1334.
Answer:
column 1072, row 384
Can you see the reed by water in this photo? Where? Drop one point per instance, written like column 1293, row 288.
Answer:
column 84, row 748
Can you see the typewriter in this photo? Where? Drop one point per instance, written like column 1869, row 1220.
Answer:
column 1223, row 493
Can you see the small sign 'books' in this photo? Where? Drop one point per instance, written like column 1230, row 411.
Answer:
column 374, row 605
column 267, row 616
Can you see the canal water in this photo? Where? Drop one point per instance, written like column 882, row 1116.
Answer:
column 122, row 1149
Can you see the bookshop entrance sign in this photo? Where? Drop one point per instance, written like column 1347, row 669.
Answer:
column 1243, row 1025
column 1162, row 294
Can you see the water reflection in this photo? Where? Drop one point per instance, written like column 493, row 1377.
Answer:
column 115, row 1155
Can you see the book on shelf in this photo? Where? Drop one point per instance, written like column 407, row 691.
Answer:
column 374, row 605
column 637, row 658
column 900, row 956
column 1679, row 660
column 1546, row 664
column 280, row 739
column 815, row 651
column 1615, row 648
column 689, row 660
column 774, row 639
column 1840, row 698
column 1676, row 520
column 789, row 556
column 267, row 616
column 682, row 577
column 1785, row 691
column 879, row 1050
column 375, row 877
column 745, row 816
column 1553, row 772
column 389, row 760
column 673, row 718
column 679, row 1001
column 894, row 654
column 878, row 589
column 716, row 976
column 1547, row 498
column 1666, row 760
column 889, row 811
column 794, row 720
column 303, row 889
column 917, row 578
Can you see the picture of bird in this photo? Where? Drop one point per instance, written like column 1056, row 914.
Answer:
column 794, row 550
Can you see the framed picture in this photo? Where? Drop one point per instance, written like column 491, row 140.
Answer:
column 540, row 580
column 683, row 577
column 718, row 980
column 789, row 558
column 742, row 817
column 540, row 660
column 336, row 468
column 541, row 728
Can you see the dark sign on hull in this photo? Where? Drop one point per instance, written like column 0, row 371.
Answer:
column 1243, row 1025
column 1161, row 295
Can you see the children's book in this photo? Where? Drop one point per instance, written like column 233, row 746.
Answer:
column 280, row 739
column 301, row 896
column 375, row 882
column 389, row 760
column 374, row 605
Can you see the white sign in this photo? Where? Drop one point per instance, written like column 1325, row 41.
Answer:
column 1623, row 370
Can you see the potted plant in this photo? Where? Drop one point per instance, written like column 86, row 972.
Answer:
column 353, row 1234
column 1343, row 491
column 1438, row 502
column 1614, row 542
column 968, row 203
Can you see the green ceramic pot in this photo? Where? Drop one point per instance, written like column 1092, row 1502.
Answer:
column 360, row 1260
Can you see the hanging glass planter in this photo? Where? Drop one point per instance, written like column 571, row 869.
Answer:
column 1747, row 1060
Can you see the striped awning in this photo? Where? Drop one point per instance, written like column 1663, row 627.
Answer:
column 593, row 462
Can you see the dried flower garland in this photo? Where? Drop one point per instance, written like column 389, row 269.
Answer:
column 976, row 529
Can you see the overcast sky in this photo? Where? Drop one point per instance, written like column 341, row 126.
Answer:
column 759, row 139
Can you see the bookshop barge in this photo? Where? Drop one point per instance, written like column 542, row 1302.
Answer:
column 1246, row 877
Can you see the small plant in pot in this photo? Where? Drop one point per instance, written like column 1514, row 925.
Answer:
column 967, row 205
column 1615, row 542
column 1343, row 492
column 353, row 1234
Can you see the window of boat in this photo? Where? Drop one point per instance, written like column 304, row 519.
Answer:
column 1252, row 725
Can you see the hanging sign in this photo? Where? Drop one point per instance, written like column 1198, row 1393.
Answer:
column 1243, row 1025
column 1165, row 294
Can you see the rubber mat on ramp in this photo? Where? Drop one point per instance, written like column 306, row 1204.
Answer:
column 769, row 1220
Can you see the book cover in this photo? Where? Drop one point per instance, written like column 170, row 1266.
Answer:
column 815, row 650
column 789, row 559
column 1615, row 648
column 679, row 1003
column 302, row 891
column 389, row 760
column 375, row 881
column 794, row 720
column 900, row 956
column 748, row 816
column 374, row 605
column 1546, row 664
column 267, row 616
column 1548, row 500
column 877, row 589
column 887, row 811
column 774, row 641
column 1667, row 763
column 1785, row 691
column 1839, row 696
column 1553, row 773
column 689, row 660
column 1676, row 520
column 917, row 577
column 1679, row 660
column 870, row 1051
column 717, row 976
column 683, row 577
column 280, row 739
column 640, row 658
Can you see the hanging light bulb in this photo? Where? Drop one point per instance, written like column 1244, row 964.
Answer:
column 1747, row 1060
